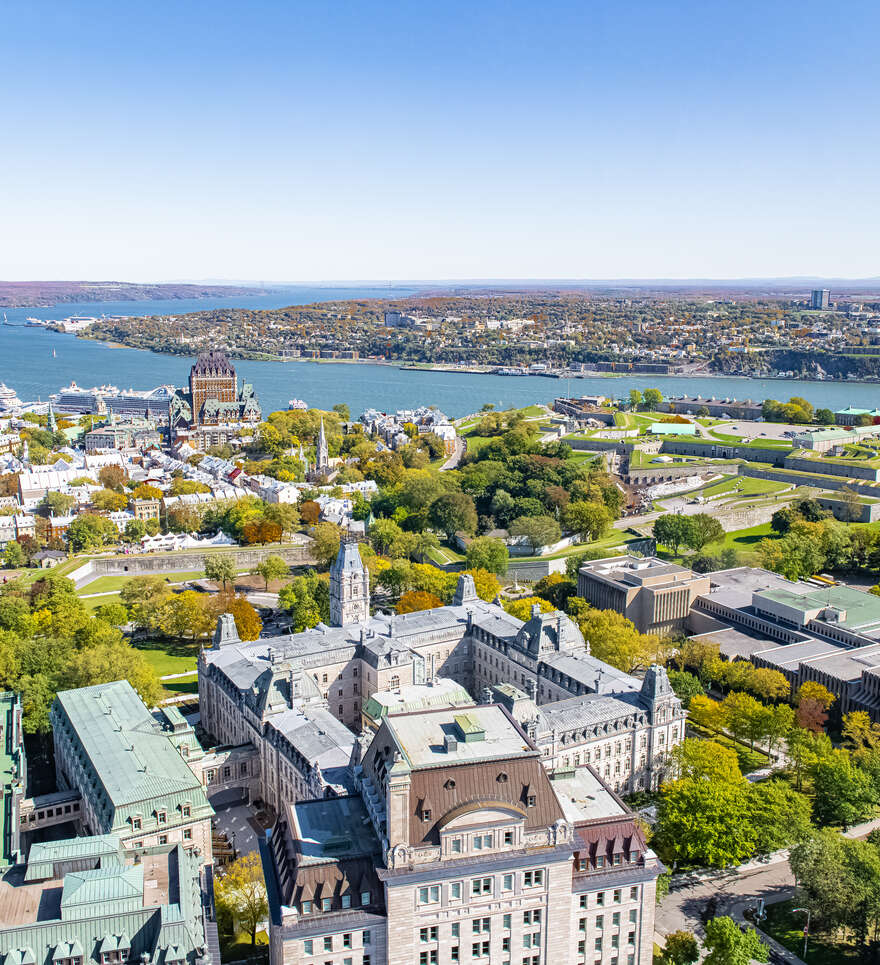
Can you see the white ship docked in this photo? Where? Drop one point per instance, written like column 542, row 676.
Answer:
column 296, row 404
column 9, row 401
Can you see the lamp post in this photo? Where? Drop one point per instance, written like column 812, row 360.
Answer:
column 806, row 929
column 233, row 846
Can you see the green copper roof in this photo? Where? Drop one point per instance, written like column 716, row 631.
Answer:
column 130, row 754
column 123, row 886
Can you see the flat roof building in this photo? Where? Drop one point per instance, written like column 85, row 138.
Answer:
column 656, row 595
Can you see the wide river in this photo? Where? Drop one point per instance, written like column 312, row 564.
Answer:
column 28, row 366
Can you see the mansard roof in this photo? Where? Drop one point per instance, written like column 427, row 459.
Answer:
column 214, row 362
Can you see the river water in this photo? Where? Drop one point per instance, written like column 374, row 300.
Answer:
column 28, row 366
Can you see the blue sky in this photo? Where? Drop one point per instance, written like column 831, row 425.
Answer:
column 307, row 141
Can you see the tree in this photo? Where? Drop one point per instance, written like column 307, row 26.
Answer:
column 671, row 530
column 780, row 814
column 113, row 613
column 635, row 398
column 397, row 576
column 307, row 599
column 241, row 893
column 146, row 491
column 89, row 532
column 825, row 417
column 707, row 823
column 686, row 686
column 58, row 504
column 272, row 568
column 811, row 690
column 135, row 530
column 702, row 529
column 112, row 477
column 860, row 731
column 326, row 540
column 768, row 684
column 852, row 504
column 614, row 639
column 681, row 948
column 796, row 556
column 556, row 589
column 745, row 717
column 706, row 713
column 247, row 620
column 14, row 555
column 220, row 567
column 309, row 512
column 186, row 615
column 704, row 760
column 730, row 945
column 589, row 519
column 536, row 531
column 652, row 399
column 343, row 411
column 417, row 600
column 453, row 513
column 144, row 598
column 487, row 553
column 844, row 793
column 522, row 608
column 109, row 501
column 113, row 659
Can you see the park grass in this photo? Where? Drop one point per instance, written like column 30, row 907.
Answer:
column 444, row 555
column 745, row 486
column 93, row 602
column 106, row 584
column 787, row 926
column 169, row 656
column 182, row 685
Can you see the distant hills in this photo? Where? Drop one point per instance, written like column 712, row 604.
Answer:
column 24, row 294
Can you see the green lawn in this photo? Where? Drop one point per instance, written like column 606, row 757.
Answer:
column 787, row 927
column 744, row 486
column 183, row 685
column 93, row 602
column 443, row 555
column 104, row 584
column 169, row 656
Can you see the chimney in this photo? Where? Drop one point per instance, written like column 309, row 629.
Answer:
column 450, row 743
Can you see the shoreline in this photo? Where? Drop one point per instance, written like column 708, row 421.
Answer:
column 487, row 369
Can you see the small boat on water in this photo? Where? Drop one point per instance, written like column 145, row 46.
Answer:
column 297, row 404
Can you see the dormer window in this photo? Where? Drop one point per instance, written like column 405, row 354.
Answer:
column 187, row 810
column 426, row 814
column 530, row 800
column 162, row 817
column 502, row 778
column 449, row 785
column 136, row 824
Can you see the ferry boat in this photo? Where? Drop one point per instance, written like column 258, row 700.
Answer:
column 296, row 404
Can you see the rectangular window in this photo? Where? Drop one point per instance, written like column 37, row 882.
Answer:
column 633, row 916
column 427, row 896
column 365, row 898
column 187, row 810
column 506, row 921
column 306, row 908
column 453, row 953
column 508, row 837
column 615, row 919
column 328, row 943
column 507, row 883
column 346, row 901
column 600, row 861
column 455, row 891
column 162, row 816
column 326, row 904
column 346, row 940
column 633, row 894
column 456, row 845
column 187, row 834
column 308, row 947
column 366, row 937
column 600, row 922
column 600, row 898
column 533, row 879
column 456, row 929
column 163, row 839
column 481, row 886
column 583, row 901
column 617, row 896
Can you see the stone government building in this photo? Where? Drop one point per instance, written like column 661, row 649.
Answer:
column 298, row 699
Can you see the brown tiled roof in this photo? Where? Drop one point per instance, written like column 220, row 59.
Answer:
column 213, row 362
column 449, row 791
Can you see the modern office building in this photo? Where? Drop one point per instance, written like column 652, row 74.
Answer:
column 131, row 769
column 89, row 901
column 657, row 596
column 459, row 846
column 820, row 298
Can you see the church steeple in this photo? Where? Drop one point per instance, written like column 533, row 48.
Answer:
column 322, row 455
column 51, row 424
column 349, row 587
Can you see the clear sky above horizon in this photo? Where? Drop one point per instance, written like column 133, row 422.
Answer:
column 294, row 141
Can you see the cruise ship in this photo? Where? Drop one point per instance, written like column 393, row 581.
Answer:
column 9, row 401
column 106, row 399
column 296, row 404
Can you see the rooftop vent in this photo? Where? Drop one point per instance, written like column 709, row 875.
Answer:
column 450, row 743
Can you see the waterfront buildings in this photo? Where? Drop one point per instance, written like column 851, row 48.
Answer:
column 459, row 846
column 88, row 901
